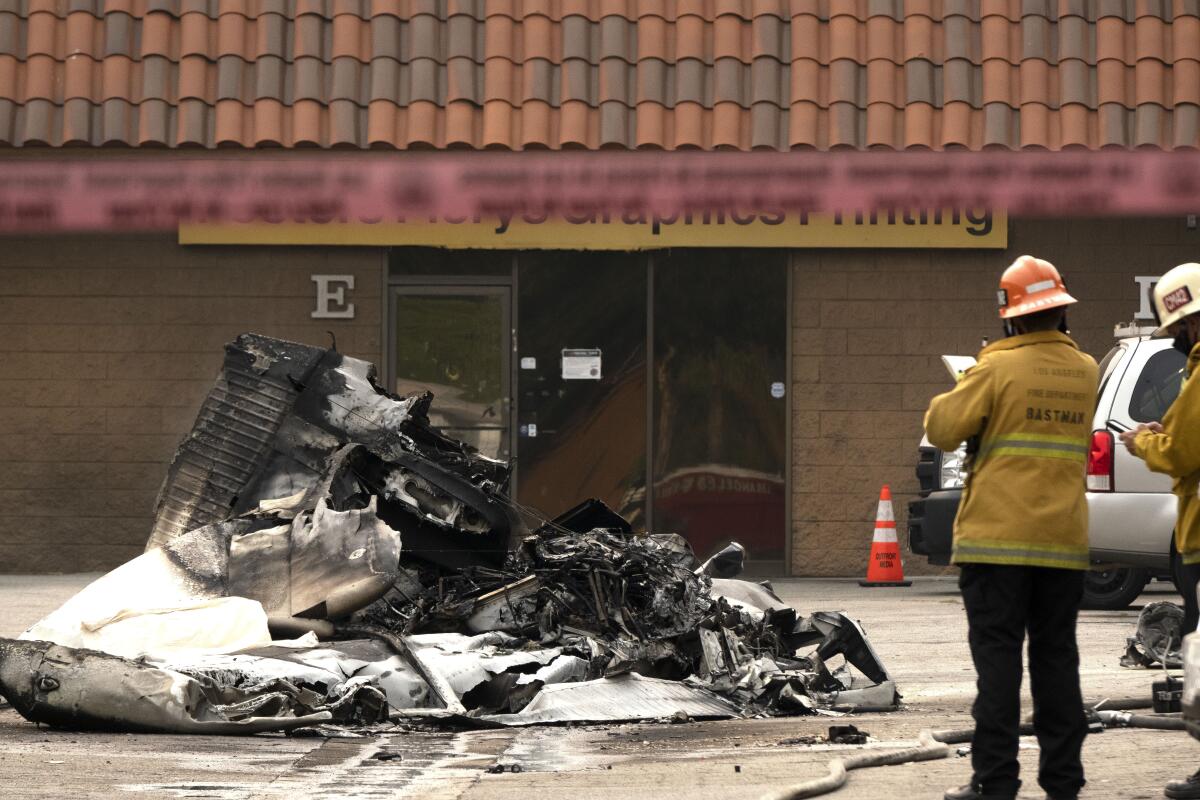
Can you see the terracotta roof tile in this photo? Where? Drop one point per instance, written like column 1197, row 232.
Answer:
column 1152, row 38
column 919, row 126
column 195, row 34
column 1148, row 125
column 308, row 36
column 514, row 74
column 1151, row 82
column 962, row 83
column 618, row 39
column 1076, row 84
column 163, row 35
column 846, row 38
column 1008, row 9
column 9, row 69
column 996, row 34
column 1186, row 79
column 1186, row 121
column 961, row 39
column 1075, row 39
column 881, row 125
column 1035, row 126
column 1111, row 84
column 920, row 40
column 539, row 39
column 884, row 39
column 920, row 83
column 8, row 118
column 1035, row 81
column 958, row 128
column 1114, row 39
column 1115, row 8
column 1075, row 125
column 121, row 78
column 1185, row 38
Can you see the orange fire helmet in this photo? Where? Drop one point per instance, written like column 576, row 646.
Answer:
column 1031, row 285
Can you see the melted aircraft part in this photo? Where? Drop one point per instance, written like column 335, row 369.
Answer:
column 431, row 502
column 87, row 690
column 626, row 697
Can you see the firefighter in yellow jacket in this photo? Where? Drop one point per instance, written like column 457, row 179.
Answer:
column 1173, row 447
column 1025, row 410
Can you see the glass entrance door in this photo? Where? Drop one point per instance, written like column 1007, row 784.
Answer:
column 455, row 341
column 582, row 433
column 720, row 411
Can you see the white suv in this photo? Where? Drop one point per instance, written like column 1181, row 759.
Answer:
column 1131, row 516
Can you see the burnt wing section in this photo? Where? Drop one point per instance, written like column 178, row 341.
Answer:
column 233, row 434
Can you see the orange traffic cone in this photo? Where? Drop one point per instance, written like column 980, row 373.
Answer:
column 884, row 567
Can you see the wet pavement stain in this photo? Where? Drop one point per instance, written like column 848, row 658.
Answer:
column 391, row 765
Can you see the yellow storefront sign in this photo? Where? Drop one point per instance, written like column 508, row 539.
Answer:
column 883, row 229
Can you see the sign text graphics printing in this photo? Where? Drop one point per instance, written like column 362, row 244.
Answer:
column 951, row 228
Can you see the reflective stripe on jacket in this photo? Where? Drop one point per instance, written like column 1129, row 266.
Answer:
column 1030, row 401
column 1176, row 452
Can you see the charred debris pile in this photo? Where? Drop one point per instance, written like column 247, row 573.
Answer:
column 322, row 557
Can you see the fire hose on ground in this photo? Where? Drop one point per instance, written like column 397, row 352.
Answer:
column 934, row 745
column 929, row 750
column 1158, row 722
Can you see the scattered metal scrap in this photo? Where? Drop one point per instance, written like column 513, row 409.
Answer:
column 322, row 556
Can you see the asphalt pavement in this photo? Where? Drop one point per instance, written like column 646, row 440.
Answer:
column 919, row 632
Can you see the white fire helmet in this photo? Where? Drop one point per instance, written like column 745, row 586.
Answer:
column 1176, row 295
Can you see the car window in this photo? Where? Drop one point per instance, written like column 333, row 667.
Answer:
column 1157, row 386
column 1106, row 367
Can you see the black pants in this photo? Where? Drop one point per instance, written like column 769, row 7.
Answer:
column 1003, row 603
column 1189, row 577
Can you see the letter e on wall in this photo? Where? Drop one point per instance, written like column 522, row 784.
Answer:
column 331, row 297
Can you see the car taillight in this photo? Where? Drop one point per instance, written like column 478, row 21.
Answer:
column 1100, row 462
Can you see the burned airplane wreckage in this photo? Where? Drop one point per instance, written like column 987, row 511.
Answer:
column 323, row 556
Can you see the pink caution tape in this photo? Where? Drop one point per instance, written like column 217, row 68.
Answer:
column 143, row 192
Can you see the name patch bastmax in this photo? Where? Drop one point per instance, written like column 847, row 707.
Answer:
column 1054, row 415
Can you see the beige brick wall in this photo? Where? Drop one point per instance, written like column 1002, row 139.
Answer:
column 108, row 345
column 868, row 329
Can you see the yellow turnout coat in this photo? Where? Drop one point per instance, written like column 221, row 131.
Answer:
column 1176, row 452
column 1028, row 403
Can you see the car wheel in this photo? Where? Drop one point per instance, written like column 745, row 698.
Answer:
column 1113, row 588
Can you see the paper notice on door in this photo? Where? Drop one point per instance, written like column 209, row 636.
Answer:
column 581, row 364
